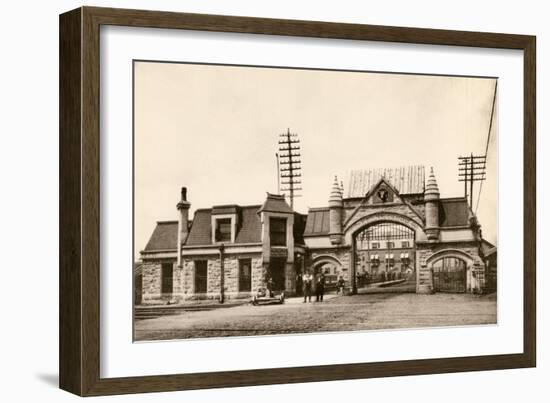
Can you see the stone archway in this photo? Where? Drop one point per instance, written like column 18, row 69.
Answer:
column 451, row 270
column 352, row 230
column 359, row 224
column 449, row 253
column 331, row 267
column 326, row 259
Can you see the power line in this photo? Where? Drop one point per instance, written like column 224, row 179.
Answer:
column 471, row 169
column 488, row 140
column 289, row 160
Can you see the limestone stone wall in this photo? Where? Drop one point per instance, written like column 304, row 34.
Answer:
column 186, row 286
column 186, row 278
column 151, row 281
column 424, row 280
column 341, row 254
column 213, row 278
column 427, row 254
column 258, row 274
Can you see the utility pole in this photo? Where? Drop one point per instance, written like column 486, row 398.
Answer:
column 290, row 170
column 278, row 174
column 471, row 169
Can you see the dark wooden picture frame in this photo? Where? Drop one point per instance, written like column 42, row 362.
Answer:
column 79, row 347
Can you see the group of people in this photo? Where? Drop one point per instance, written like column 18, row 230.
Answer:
column 308, row 285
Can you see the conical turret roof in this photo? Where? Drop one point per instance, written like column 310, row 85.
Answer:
column 432, row 189
column 336, row 193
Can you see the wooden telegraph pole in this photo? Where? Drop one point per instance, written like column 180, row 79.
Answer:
column 289, row 160
column 471, row 169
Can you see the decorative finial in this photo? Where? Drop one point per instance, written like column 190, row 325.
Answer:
column 336, row 192
column 431, row 185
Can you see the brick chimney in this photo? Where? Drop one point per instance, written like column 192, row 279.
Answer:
column 183, row 221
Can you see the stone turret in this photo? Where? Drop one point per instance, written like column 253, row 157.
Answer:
column 183, row 221
column 431, row 198
column 336, row 210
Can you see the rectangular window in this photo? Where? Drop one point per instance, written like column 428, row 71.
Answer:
column 167, row 278
column 245, row 274
column 375, row 245
column 405, row 244
column 223, row 230
column 201, row 276
column 277, row 231
column 391, row 245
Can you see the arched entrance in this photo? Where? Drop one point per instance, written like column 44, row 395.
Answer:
column 330, row 267
column 384, row 252
column 449, row 274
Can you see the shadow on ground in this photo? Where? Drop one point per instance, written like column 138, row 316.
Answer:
column 49, row 379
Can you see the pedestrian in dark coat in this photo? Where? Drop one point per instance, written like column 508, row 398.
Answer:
column 307, row 283
column 341, row 284
column 320, row 287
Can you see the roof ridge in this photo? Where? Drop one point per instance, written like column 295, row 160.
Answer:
column 457, row 198
column 407, row 179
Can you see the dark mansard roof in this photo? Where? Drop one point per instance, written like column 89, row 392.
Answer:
column 487, row 248
column 317, row 222
column 248, row 230
column 249, row 226
column 454, row 212
column 164, row 236
column 276, row 204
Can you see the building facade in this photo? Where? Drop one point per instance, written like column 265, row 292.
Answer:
column 224, row 252
column 392, row 226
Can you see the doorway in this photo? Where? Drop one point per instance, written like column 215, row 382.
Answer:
column 277, row 273
column 449, row 275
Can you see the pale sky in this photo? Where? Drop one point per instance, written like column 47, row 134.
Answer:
column 215, row 130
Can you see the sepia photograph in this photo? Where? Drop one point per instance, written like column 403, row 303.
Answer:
column 285, row 200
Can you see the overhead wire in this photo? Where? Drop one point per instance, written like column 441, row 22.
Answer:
column 487, row 145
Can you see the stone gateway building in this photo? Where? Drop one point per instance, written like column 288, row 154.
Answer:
column 391, row 227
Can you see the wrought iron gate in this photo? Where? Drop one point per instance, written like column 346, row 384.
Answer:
column 449, row 275
column 385, row 251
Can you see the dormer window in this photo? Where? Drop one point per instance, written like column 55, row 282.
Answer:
column 223, row 230
column 225, row 222
column 277, row 231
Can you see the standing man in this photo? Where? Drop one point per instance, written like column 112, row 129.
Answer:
column 320, row 287
column 307, row 280
column 341, row 284
column 269, row 286
column 299, row 284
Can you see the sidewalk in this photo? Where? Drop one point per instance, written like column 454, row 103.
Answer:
column 300, row 300
column 392, row 286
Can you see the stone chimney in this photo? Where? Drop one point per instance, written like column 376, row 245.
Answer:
column 336, row 209
column 183, row 221
column 431, row 199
